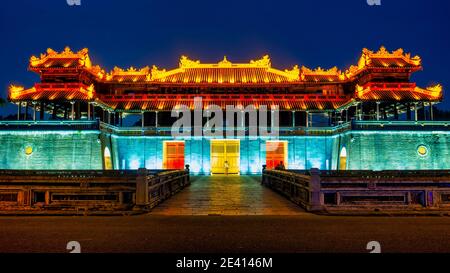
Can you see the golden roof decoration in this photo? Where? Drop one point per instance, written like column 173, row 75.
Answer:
column 436, row 90
column 131, row 71
column 321, row 71
column 157, row 73
column 380, row 58
column 263, row 62
column 16, row 90
column 224, row 62
column 90, row 91
column 98, row 71
column 66, row 53
column 399, row 53
column 85, row 61
column 367, row 56
column 294, row 73
column 185, row 62
column 334, row 71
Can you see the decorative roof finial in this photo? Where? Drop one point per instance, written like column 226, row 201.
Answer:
column 185, row 62
column 224, row 62
column 263, row 62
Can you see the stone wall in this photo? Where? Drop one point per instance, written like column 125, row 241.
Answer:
column 50, row 150
column 366, row 150
column 394, row 150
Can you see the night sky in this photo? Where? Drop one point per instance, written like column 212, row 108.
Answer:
column 138, row 33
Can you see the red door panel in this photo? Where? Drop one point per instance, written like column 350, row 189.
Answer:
column 174, row 155
column 275, row 154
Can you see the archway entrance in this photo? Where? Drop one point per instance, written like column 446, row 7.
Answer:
column 107, row 159
column 343, row 159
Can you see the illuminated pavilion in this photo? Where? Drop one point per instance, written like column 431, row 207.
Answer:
column 370, row 116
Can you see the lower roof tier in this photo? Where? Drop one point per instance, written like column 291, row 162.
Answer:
column 152, row 101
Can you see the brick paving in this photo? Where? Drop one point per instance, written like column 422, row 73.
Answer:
column 227, row 195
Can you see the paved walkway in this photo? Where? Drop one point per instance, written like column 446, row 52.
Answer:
column 227, row 195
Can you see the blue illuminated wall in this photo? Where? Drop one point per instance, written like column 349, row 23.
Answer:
column 304, row 152
column 50, row 150
column 366, row 150
column 147, row 151
column 394, row 150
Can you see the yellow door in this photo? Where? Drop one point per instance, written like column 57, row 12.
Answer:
column 225, row 152
column 343, row 159
column 107, row 159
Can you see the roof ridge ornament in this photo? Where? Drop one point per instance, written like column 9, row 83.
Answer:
column 157, row 73
column 399, row 53
column 263, row 62
column 319, row 70
column 185, row 62
column 66, row 53
column 436, row 90
column 131, row 71
column 367, row 56
column 293, row 74
column 224, row 62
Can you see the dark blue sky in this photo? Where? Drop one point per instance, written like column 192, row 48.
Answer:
column 139, row 33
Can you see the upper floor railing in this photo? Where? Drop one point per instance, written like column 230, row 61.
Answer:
column 400, row 125
column 49, row 125
column 167, row 131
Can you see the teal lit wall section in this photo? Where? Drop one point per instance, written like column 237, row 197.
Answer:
column 394, row 150
column 251, row 155
column 143, row 151
column 50, row 150
column 367, row 150
column 306, row 152
column 133, row 152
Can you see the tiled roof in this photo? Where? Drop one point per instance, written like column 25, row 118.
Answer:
column 232, row 75
column 398, row 92
column 168, row 102
column 253, row 76
column 64, row 59
column 54, row 92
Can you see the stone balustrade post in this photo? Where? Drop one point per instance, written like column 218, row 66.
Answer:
column 315, row 202
column 142, row 198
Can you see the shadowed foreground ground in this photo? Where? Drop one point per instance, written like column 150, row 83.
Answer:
column 247, row 224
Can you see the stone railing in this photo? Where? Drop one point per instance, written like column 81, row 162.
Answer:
column 399, row 125
column 166, row 131
column 317, row 190
column 49, row 125
column 85, row 192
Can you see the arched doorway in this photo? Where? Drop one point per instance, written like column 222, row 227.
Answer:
column 107, row 159
column 343, row 159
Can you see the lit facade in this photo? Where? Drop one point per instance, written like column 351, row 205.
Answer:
column 370, row 116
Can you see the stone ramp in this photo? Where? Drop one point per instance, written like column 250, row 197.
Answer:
column 227, row 195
